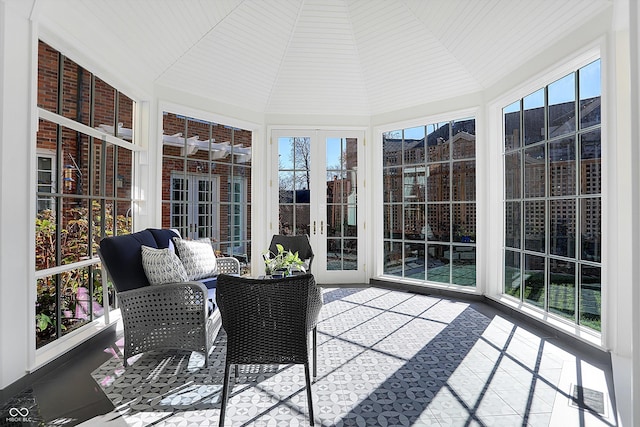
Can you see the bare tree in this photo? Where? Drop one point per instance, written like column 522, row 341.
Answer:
column 297, row 176
column 302, row 161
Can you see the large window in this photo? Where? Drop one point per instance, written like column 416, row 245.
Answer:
column 429, row 178
column 84, row 190
column 552, row 201
column 206, row 184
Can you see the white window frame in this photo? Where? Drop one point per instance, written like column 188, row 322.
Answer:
column 46, row 154
column 496, row 187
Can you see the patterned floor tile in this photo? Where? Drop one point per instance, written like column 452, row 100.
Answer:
column 385, row 359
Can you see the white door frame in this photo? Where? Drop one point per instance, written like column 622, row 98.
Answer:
column 318, row 205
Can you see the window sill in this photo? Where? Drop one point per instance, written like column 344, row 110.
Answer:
column 583, row 334
column 59, row 347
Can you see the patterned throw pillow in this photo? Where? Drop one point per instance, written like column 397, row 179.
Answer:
column 162, row 266
column 198, row 258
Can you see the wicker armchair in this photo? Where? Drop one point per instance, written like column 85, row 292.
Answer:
column 268, row 321
column 178, row 316
column 299, row 243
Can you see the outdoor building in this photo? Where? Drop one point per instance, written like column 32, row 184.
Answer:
column 483, row 150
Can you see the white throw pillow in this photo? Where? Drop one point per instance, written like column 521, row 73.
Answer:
column 162, row 266
column 198, row 258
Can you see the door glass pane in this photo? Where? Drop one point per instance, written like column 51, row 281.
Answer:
column 285, row 189
column 341, row 157
column 285, row 218
column 294, row 184
column 349, row 254
column 335, row 220
column 302, row 219
column 179, row 210
column 204, row 208
column 334, row 254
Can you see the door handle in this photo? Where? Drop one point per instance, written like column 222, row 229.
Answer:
column 321, row 227
column 314, row 227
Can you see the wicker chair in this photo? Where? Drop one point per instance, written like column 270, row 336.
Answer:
column 268, row 321
column 299, row 243
column 178, row 316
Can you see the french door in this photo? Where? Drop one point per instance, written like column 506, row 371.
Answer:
column 320, row 177
column 195, row 205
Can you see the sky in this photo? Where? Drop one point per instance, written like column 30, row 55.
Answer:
column 563, row 90
column 333, row 150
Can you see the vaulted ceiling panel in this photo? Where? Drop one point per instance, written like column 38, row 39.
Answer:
column 321, row 69
column 404, row 63
column 350, row 57
column 237, row 61
column 493, row 37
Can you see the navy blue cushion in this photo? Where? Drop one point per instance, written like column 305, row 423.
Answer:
column 162, row 236
column 122, row 257
column 209, row 282
column 211, row 297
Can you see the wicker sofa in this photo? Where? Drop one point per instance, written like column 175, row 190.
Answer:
column 178, row 315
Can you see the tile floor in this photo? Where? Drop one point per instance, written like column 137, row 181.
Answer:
column 386, row 358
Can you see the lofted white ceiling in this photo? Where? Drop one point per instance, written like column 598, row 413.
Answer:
column 337, row 57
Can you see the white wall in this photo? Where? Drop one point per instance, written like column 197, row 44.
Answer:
column 17, row 171
column 634, row 29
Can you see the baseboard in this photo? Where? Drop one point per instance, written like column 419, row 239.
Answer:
column 594, row 353
column 425, row 290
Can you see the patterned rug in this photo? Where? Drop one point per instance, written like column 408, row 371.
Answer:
column 385, row 358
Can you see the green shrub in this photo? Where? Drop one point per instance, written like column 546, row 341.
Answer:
column 61, row 289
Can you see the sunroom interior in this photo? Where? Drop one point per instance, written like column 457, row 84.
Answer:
column 481, row 150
